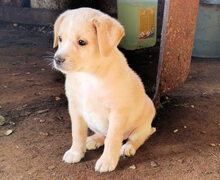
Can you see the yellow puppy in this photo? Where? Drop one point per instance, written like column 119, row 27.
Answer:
column 103, row 93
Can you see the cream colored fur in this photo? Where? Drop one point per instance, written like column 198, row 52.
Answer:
column 103, row 93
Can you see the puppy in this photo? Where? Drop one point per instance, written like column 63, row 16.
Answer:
column 103, row 93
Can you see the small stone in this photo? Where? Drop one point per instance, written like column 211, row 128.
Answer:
column 43, row 133
column 30, row 80
column 15, row 63
column 219, row 124
column 161, row 106
column 25, row 105
column 42, row 120
column 11, row 123
column 15, row 24
column 0, row 107
column 132, row 167
column 175, row 131
column 8, row 132
column 192, row 106
column 26, row 113
column 42, row 69
column 5, row 86
column 19, row 108
column 181, row 161
column 203, row 132
column 57, row 98
column 37, row 93
column 185, row 127
column 153, row 164
column 51, row 167
column 2, row 120
column 212, row 144
column 15, row 74
column 42, row 111
column 28, row 73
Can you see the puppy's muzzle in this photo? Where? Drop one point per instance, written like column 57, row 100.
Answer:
column 59, row 60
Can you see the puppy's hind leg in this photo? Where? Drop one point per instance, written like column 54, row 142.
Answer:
column 95, row 141
column 137, row 138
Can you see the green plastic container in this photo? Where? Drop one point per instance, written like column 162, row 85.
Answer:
column 139, row 18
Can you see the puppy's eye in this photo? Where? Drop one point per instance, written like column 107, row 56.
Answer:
column 60, row 39
column 82, row 43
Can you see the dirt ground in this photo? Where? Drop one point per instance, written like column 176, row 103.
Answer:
column 32, row 100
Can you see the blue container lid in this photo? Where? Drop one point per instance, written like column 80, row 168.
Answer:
column 133, row 1
column 210, row 1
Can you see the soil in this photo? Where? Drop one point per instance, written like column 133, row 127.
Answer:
column 32, row 100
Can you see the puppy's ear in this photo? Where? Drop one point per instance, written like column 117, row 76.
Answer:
column 57, row 27
column 109, row 33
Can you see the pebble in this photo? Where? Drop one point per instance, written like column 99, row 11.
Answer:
column 15, row 74
column 42, row 69
column 175, row 131
column 37, row 93
column 19, row 108
column 2, row 120
column 181, row 161
column 57, row 98
column 25, row 105
column 26, row 113
column 15, row 24
column 28, row 73
column 192, row 106
column 30, row 80
column 8, row 132
column 43, row 133
column 5, row 86
column 51, row 167
column 42, row 111
column 132, row 167
column 185, row 127
column 0, row 107
column 212, row 144
column 42, row 120
column 11, row 123
column 15, row 63
column 203, row 132
column 153, row 164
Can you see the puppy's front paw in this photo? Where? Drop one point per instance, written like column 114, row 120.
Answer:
column 92, row 144
column 71, row 156
column 105, row 164
column 127, row 150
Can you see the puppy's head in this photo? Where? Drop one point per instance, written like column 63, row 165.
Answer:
column 84, row 37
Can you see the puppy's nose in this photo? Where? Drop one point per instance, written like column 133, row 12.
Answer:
column 59, row 60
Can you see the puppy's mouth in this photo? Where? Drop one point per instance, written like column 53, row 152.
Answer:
column 64, row 67
column 57, row 66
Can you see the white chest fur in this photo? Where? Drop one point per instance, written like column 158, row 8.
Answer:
column 87, row 93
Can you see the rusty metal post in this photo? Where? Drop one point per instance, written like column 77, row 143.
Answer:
column 179, row 24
